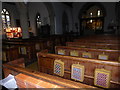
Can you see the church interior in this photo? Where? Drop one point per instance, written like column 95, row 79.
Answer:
column 61, row 44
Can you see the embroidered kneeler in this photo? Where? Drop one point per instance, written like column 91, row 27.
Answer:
column 103, row 56
column 73, row 53
column 77, row 72
column 61, row 52
column 102, row 78
column 86, row 55
column 59, row 67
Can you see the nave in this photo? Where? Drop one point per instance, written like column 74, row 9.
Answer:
column 61, row 44
column 93, row 64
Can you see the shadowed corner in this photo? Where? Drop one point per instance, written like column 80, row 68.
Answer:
column 33, row 66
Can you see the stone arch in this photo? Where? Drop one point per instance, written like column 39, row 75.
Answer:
column 65, row 25
column 51, row 16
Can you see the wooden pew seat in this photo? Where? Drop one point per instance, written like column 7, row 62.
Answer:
column 27, row 78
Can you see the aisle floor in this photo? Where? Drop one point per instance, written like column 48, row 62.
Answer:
column 33, row 66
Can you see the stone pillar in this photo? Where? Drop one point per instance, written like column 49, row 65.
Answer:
column 23, row 19
column 0, row 21
column 24, row 25
column 0, row 43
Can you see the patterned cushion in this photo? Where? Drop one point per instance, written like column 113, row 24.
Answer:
column 61, row 52
column 77, row 72
column 103, row 57
column 102, row 78
column 73, row 53
column 59, row 67
column 86, row 55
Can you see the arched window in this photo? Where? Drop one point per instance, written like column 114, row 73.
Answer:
column 38, row 24
column 5, row 19
column 38, row 20
column 92, row 19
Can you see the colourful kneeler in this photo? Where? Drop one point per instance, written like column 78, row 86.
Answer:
column 77, row 72
column 102, row 78
column 59, row 67
column 61, row 52
column 86, row 55
column 74, row 53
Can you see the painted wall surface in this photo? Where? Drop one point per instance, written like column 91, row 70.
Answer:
column 59, row 10
column 110, row 13
column 33, row 9
column 76, row 9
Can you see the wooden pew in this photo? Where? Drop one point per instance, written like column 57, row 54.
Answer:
column 106, row 39
column 101, row 37
column 113, row 55
column 98, row 41
column 27, row 78
column 10, row 53
column 39, row 43
column 26, row 50
column 46, row 65
column 94, row 45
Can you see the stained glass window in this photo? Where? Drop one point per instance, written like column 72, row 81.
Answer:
column 92, row 20
column 5, row 19
column 38, row 21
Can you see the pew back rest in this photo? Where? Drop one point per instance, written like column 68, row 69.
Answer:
column 115, row 41
column 27, row 78
column 94, row 45
column 112, row 54
column 18, row 62
column 46, row 65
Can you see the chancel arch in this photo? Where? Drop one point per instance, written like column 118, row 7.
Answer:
column 91, row 17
